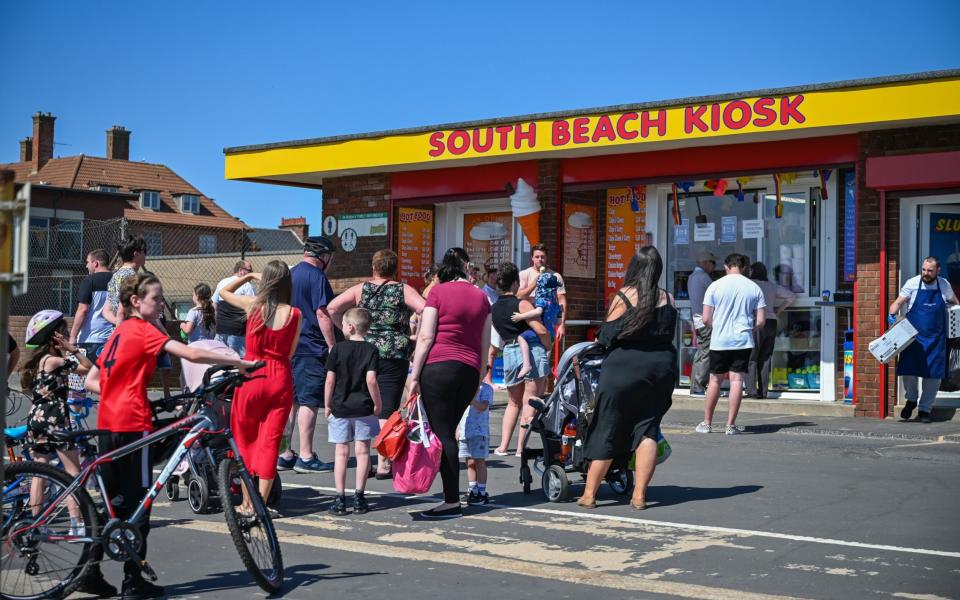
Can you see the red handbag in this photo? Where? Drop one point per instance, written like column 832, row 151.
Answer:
column 393, row 434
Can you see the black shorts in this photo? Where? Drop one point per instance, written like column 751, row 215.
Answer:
column 727, row 361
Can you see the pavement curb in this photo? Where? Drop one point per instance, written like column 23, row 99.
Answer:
column 827, row 431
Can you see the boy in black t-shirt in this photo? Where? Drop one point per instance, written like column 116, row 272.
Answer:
column 352, row 401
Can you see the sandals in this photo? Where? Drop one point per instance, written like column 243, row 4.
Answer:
column 591, row 504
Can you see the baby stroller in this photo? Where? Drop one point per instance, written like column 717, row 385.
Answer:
column 198, row 472
column 561, row 421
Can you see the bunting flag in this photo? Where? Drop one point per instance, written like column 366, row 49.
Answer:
column 676, row 206
column 776, row 187
column 685, row 186
column 637, row 193
column 824, row 175
column 788, row 178
column 719, row 186
column 741, row 181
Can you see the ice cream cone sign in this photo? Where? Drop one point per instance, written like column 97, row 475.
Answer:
column 526, row 210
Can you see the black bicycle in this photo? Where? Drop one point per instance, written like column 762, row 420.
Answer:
column 50, row 524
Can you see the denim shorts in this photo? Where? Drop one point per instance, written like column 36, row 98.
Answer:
column 309, row 377
column 513, row 362
column 349, row 429
column 477, row 447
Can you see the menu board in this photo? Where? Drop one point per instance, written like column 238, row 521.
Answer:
column 625, row 233
column 415, row 242
column 579, row 241
column 488, row 237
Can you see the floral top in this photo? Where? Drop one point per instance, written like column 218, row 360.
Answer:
column 389, row 319
column 120, row 276
column 49, row 411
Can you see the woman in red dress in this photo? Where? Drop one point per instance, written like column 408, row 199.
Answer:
column 261, row 406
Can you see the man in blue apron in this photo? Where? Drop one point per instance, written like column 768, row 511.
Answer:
column 927, row 296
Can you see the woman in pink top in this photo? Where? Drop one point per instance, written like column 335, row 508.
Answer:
column 447, row 363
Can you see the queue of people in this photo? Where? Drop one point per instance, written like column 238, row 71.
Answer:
column 440, row 345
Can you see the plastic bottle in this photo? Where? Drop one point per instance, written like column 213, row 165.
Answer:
column 567, row 439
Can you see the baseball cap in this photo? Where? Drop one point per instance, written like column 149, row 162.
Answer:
column 706, row 256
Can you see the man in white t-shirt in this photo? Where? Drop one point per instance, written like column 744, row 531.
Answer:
column 528, row 284
column 733, row 307
column 927, row 297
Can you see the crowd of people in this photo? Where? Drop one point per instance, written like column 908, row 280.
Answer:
column 358, row 355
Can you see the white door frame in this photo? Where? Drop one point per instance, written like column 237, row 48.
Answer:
column 910, row 262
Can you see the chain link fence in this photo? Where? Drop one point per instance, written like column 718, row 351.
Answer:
column 181, row 256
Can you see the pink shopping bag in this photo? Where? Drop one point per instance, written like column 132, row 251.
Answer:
column 418, row 463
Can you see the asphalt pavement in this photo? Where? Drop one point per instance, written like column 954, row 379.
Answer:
column 796, row 507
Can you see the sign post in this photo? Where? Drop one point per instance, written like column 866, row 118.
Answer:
column 14, row 242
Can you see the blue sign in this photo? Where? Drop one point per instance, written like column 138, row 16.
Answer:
column 850, row 228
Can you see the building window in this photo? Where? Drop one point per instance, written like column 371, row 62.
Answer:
column 154, row 243
column 208, row 244
column 62, row 289
column 150, row 200
column 69, row 240
column 39, row 238
column 189, row 203
column 106, row 188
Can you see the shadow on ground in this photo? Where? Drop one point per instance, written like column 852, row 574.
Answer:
column 294, row 577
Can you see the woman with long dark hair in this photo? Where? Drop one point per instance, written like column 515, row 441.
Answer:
column 451, row 354
column 201, row 321
column 637, row 379
column 390, row 303
column 261, row 406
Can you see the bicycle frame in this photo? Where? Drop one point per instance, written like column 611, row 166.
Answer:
column 200, row 424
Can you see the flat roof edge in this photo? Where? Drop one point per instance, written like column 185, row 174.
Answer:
column 848, row 83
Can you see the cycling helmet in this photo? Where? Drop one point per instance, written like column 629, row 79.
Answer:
column 41, row 327
column 317, row 245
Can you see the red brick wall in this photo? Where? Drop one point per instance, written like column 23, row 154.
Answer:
column 354, row 195
column 869, row 309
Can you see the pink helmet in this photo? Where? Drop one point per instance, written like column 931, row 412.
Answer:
column 41, row 327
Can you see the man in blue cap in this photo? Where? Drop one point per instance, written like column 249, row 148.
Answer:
column 311, row 293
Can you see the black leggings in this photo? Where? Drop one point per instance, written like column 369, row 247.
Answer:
column 446, row 389
column 391, row 377
column 127, row 480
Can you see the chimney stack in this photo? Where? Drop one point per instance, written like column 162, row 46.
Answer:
column 42, row 140
column 118, row 143
column 298, row 225
column 26, row 149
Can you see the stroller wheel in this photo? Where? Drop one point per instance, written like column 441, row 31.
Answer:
column 556, row 486
column 198, row 495
column 173, row 489
column 621, row 481
column 526, row 478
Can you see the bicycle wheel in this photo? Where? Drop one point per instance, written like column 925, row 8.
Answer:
column 254, row 536
column 32, row 565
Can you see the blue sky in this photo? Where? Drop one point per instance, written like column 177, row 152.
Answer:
column 190, row 78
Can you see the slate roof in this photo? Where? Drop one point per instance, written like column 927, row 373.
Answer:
column 274, row 240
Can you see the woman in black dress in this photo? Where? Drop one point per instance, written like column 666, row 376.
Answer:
column 637, row 378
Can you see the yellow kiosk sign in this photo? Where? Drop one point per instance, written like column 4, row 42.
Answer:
column 831, row 110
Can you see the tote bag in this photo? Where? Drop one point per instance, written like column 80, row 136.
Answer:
column 419, row 461
column 393, row 435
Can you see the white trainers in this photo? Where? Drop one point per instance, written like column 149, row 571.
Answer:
column 734, row 430
column 703, row 427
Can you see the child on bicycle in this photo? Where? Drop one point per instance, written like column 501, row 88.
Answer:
column 121, row 376
column 352, row 400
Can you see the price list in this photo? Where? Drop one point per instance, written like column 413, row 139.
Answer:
column 415, row 237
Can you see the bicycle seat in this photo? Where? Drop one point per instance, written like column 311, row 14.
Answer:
column 15, row 433
column 63, row 435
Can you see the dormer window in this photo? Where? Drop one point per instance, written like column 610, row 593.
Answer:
column 189, row 203
column 150, row 200
column 106, row 188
